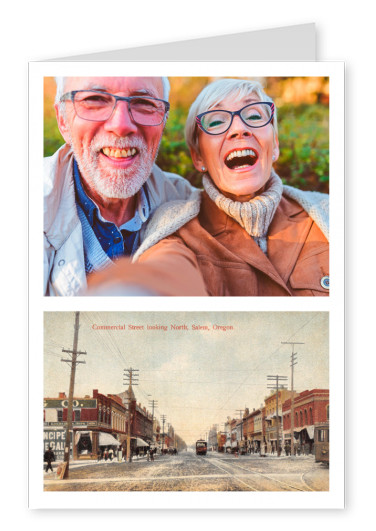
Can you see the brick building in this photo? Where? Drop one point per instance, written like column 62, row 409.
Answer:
column 98, row 422
column 253, row 429
column 310, row 408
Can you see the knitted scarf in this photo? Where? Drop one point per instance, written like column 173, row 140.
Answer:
column 255, row 215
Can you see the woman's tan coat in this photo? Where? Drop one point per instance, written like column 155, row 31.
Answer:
column 213, row 255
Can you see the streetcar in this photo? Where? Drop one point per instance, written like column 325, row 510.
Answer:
column 322, row 442
column 201, row 447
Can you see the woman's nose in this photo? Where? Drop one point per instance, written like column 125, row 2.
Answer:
column 238, row 128
column 120, row 121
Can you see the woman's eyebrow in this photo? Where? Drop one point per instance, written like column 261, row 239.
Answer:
column 219, row 106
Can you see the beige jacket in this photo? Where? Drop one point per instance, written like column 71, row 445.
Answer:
column 64, row 266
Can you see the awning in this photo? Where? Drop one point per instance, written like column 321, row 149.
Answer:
column 311, row 431
column 105, row 439
column 141, row 442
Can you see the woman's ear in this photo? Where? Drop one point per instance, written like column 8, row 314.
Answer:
column 197, row 160
column 275, row 149
column 62, row 124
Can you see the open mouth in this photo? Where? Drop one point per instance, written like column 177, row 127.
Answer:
column 241, row 158
column 116, row 153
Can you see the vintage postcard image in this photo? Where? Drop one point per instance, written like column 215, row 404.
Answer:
column 186, row 402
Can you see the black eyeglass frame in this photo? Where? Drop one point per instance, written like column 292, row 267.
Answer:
column 71, row 95
column 236, row 113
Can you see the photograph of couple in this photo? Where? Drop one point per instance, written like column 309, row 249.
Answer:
column 186, row 186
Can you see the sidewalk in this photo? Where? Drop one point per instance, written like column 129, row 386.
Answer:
column 89, row 462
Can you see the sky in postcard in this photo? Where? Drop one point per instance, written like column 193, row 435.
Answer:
column 198, row 377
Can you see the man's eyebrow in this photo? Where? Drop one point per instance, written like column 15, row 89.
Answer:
column 136, row 92
column 93, row 86
column 144, row 92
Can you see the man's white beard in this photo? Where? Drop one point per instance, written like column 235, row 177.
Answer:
column 114, row 183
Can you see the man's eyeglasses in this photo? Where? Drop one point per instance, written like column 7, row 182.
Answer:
column 253, row 115
column 98, row 106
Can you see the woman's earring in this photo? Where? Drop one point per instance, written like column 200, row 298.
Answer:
column 203, row 168
column 273, row 158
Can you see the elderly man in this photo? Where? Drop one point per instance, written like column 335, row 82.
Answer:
column 102, row 187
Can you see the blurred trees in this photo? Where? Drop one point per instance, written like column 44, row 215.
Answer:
column 303, row 124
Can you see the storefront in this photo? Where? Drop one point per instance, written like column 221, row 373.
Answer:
column 83, row 444
column 304, row 439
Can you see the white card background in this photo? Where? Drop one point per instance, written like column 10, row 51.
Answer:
column 333, row 304
column 344, row 32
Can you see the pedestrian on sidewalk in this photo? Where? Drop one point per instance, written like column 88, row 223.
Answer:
column 49, row 456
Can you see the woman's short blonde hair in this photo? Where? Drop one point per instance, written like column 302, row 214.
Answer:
column 216, row 92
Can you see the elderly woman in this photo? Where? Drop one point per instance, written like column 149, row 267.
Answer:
column 247, row 234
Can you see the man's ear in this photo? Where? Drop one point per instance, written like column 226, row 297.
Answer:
column 197, row 160
column 61, row 122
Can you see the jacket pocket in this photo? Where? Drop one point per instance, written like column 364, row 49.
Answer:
column 311, row 274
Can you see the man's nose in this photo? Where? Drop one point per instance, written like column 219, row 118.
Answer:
column 120, row 121
column 238, row 128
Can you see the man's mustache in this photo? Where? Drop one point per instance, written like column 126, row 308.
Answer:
column 100, row 142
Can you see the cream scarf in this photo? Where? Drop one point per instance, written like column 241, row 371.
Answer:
column 255, row 215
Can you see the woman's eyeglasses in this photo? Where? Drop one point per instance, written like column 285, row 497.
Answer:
column 254, row 115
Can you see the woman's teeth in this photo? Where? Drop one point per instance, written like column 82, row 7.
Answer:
column 241, row 158
column 241, row 153
column 119, row 153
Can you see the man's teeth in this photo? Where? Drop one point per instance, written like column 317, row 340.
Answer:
column 119, row 153
column 241, row 153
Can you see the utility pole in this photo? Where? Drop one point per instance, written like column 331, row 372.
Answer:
column 277, row 379
column 163, row 419
column 130, row 376
column 240, row 411
column 73, row 361
column 293, row 362
column 153, row 404
column 225, row 430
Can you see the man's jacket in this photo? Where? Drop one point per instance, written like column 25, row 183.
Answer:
column 64, row 263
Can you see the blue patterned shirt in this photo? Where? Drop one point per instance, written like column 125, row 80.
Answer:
column 115, row 241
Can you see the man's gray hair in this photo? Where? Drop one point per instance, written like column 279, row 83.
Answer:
column 60, row 84
column 216, row 92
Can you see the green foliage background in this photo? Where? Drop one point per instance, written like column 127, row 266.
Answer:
column 303, row 140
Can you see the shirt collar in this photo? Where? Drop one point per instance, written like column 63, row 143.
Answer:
column 90, row 209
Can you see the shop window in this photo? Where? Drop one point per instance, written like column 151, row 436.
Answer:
column 77, row 415
column 84, row 446
column 60, row 415
column 323, row 436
